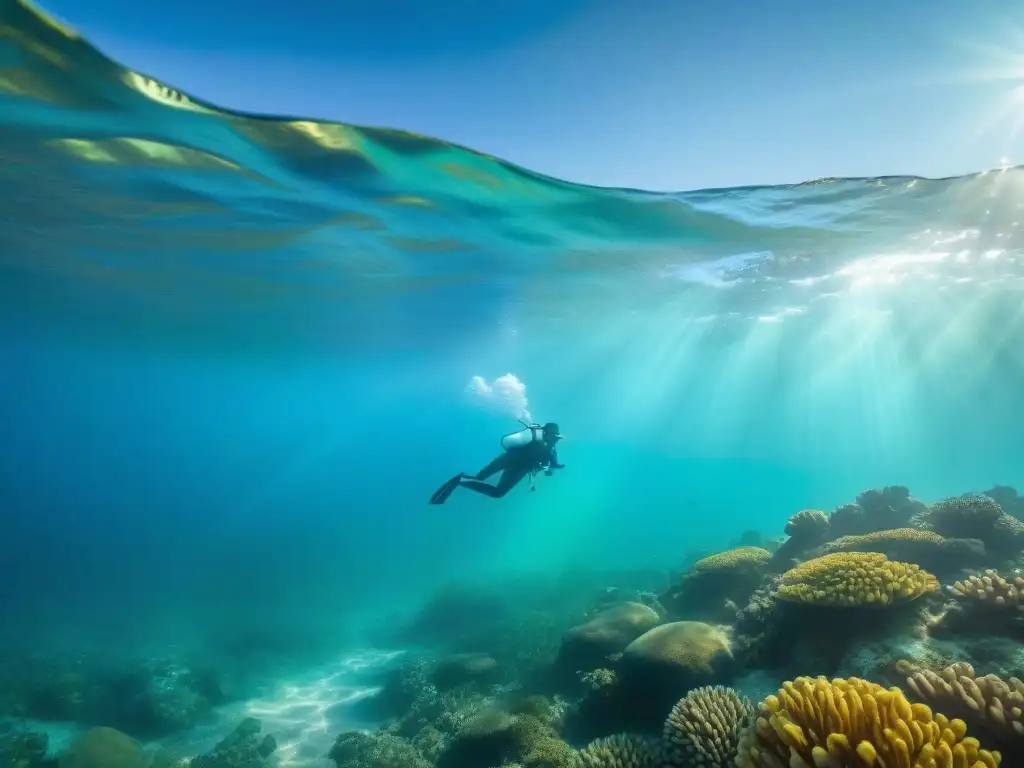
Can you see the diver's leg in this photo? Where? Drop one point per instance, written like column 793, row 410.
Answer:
column 494, row 467
column 498, row 465
column 441, row 494
column 509, row 478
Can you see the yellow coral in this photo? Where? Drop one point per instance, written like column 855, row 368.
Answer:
column 855, row 724
column 892, row 534
column 685, row 645
column 733, row 559
column 855, row 578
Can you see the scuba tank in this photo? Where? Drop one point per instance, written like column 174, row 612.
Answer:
column 531, row 433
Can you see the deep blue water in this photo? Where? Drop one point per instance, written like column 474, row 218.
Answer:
column 236, row 349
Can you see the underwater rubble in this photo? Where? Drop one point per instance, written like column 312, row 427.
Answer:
column 886, row 632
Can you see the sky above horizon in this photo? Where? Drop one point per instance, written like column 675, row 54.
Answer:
column 657, row 94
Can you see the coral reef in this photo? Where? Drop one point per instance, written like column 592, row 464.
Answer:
column 20, row 748
column 355, row 749
column 104, row 748
column 1007, row 498
column 462, row 668
column 975, row 516
column 716, row 585
column 855, row 578
column 927, row 549
column 703, row 728
column 993, row 708
column 806, row 530
column 874, row 510
column 142, row 697
column 589, row 645
column 663, row 664
column 621, row 750
column 807, row 524
column 758, row 630
column 687, row 649
column 814, row 721
column 992, row 590
column 986, row 603
column 629, row 670
column 242, row 748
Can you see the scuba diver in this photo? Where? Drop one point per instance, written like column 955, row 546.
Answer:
column 527, row 452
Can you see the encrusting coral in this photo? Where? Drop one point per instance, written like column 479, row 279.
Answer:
column 623, row 750
column 703, row 728
column 740, row 558
column 928, row 549
column 860, row 542
column 588, row 645
column 853, row 723
column 717, row 585
column 854, row 578
column 988, row 704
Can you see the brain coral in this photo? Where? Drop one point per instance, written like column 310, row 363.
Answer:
column 854, row 578
column 740, row 558
column 623, row 750
column 587, row 646
column 851, row 724
column 104, row 748
column 690, row 646
column 703, row 728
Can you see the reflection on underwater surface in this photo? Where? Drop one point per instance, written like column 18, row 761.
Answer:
column 235, row 351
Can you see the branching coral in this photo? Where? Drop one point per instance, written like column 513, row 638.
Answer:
column 855, row 578
column 852, row 723
column 990, row 705
column 991, row 589
column 703, row 728
column 623, row 750
column 355, row 749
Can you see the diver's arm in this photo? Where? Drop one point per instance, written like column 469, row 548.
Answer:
column 554, row 461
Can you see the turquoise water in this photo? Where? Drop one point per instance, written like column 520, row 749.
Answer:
column 237, row 351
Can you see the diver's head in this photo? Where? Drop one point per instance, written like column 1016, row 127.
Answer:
column 551, row 433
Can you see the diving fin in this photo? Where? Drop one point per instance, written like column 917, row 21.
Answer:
column 441, row 494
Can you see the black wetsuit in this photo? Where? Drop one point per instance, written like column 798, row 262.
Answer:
column 514, row 464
